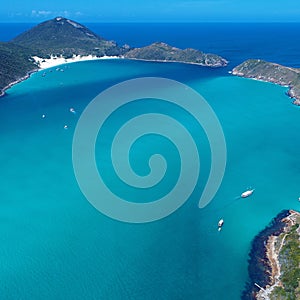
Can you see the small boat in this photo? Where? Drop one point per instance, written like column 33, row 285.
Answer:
column 72, row 110
column 247, row 193
column 220, row 224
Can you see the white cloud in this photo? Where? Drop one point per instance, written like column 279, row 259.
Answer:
column 41, row 13
column 49, row 13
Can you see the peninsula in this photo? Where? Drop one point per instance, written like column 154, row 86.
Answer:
column 271, row 72
column 62, row 40
column 274, row 265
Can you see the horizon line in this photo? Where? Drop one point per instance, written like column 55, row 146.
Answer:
column 157, row 22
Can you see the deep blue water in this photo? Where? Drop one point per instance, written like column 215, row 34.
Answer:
column 55, row 245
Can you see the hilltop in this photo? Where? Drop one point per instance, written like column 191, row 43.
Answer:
column 271, row 72
column 61, row 36
column 56, row 37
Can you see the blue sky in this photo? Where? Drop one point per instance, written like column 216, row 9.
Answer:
column 152, row 11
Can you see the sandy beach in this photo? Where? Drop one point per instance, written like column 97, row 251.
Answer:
column 56, row 61
column 53, row 61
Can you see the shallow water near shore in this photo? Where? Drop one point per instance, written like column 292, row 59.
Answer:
column 54, row 244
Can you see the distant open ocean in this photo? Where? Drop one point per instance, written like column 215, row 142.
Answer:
column 55, row 245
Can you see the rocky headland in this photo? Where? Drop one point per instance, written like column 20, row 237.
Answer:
column 272, row 72
column 163, row 52
column 274, row 264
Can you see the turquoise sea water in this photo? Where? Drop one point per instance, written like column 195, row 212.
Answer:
column 55, row 245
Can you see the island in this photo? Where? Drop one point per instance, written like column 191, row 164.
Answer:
column 65, row 40
column 162, row 52
column 274, row 264
column 272, row 72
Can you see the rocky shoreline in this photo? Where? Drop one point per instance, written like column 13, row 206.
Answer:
column 275, row 252
column 265, row 271
column 174, row 61
column 269, row 256
column 162, row 52
column 259, row 268
column 272, row 72
column 3, row 90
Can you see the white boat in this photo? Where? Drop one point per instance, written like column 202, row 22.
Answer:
column 220, row 224
column 72, row 110
column 247, row 193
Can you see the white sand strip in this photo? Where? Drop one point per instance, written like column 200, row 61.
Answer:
column 45, row 63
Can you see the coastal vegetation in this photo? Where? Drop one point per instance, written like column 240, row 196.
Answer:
column 289, row 260
column 274, row 265
column 271, row 72
column 64, row 38
column 163, row 52
column 15, row 63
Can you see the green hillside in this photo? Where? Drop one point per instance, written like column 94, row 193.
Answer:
column 15, row 62
column 163, row 52
column 271, row 72
column 64, row 37
column 61, row 36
